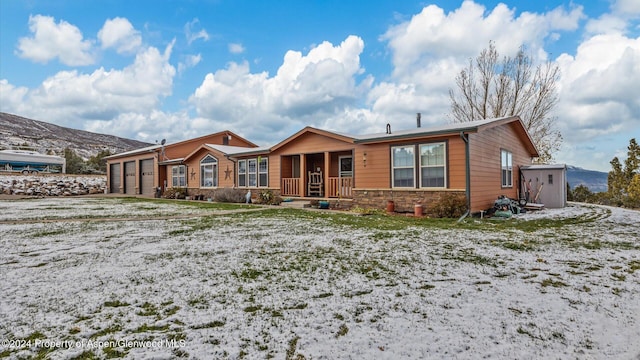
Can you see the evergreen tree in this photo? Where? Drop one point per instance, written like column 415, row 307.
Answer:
column 621, row 179
column 98, row 163
column 75, row 164
column 582, row 194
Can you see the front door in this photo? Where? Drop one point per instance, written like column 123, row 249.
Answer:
column 346, row 166
column 345, row 180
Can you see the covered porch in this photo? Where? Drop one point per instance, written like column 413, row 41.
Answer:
column 317, row 175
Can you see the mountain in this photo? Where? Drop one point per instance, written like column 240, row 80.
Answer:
column 596, row 181
column 19, row 132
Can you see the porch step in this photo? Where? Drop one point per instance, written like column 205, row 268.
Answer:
column 296, row 204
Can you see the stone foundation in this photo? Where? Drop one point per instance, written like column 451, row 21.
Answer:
column 52, row 185
column 404, row 200
column 211, row 193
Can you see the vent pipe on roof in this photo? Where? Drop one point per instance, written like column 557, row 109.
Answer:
column 418, row 119
column 388, row 128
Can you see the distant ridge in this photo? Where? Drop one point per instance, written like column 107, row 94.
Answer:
column 596, row 181
column 17, row 131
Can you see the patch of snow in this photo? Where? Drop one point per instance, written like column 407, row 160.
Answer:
column 239, row 285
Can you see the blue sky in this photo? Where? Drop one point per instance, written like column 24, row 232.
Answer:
column 265, row 69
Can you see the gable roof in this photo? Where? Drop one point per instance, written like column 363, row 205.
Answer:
column 158, row 147
column 453, row 129
column 312, row 130
column 229, row 150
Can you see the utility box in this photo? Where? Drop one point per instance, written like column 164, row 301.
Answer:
column 545, row 184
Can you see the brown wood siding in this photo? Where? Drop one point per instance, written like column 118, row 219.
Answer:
column 184, row 148
column 193, row 169
column 275, row 162
column 486, row 172
column 309, row 143
column 457, row 164
column 377, row 172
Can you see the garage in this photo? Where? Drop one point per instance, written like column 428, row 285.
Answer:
column 146, row 181
column 114, row 178
column 130, row 178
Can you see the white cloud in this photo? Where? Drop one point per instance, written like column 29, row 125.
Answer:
column 431, row 48
column 118, row 33
column 463, row 33
column 50, row 40
column 193, row 36
column 189, row 61
column 71, row 98
column 599, row 87
column 627, row 7
column 306, row 90
column 11, row 97
column 236, row 48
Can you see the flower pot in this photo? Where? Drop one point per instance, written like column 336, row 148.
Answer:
column 417, row 210
column 391, row 206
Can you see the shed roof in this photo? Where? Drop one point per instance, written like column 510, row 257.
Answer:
column 544, row 167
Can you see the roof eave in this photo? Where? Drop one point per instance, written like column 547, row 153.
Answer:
column 391, row 137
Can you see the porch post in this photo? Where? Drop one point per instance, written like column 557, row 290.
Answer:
column 303, row 175
column 327, row 164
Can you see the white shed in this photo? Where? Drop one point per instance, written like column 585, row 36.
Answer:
column 546, row 184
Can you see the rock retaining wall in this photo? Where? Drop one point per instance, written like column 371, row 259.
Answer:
column 52, row 185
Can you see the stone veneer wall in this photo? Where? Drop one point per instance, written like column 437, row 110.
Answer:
column 404, row 200
column 210, row 193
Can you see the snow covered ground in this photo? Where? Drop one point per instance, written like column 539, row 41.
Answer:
column 297, row 284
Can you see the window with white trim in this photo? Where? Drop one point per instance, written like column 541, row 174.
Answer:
column 403, row 166
column 432, row 165
column 242, row 173
column 178, row 176
column 253, row 172
column 209, row 172
column 263, row 172
column 506, row 164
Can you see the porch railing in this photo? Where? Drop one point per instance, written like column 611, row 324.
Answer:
column 290, row 187
column 337, row 187
column 340, row 187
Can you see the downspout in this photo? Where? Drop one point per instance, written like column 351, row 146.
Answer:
column 465, row 138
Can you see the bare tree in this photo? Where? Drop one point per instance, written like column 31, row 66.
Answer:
column 494, row 88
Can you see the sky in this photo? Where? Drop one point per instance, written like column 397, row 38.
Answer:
column 162, row 69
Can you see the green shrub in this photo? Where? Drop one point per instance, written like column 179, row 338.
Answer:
column 267, row 197
column 449, row 206
column 229, row 195
column 175, row 193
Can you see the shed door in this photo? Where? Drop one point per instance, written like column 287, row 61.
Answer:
column 114, row 178
column 130, row 178
column 146, row 181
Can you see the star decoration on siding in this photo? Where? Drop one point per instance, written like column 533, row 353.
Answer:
column 227, row 173
column 193, row 174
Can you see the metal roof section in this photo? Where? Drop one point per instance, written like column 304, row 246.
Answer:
column 470, row 126
column 238, row 150
column 143, row 150
column 544, row 167
column 171, row 162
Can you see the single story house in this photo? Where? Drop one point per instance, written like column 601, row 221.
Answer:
column 478, row 159
column 143, row 171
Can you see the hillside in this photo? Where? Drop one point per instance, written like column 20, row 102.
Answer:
column 596, row 181
column 17, row 131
